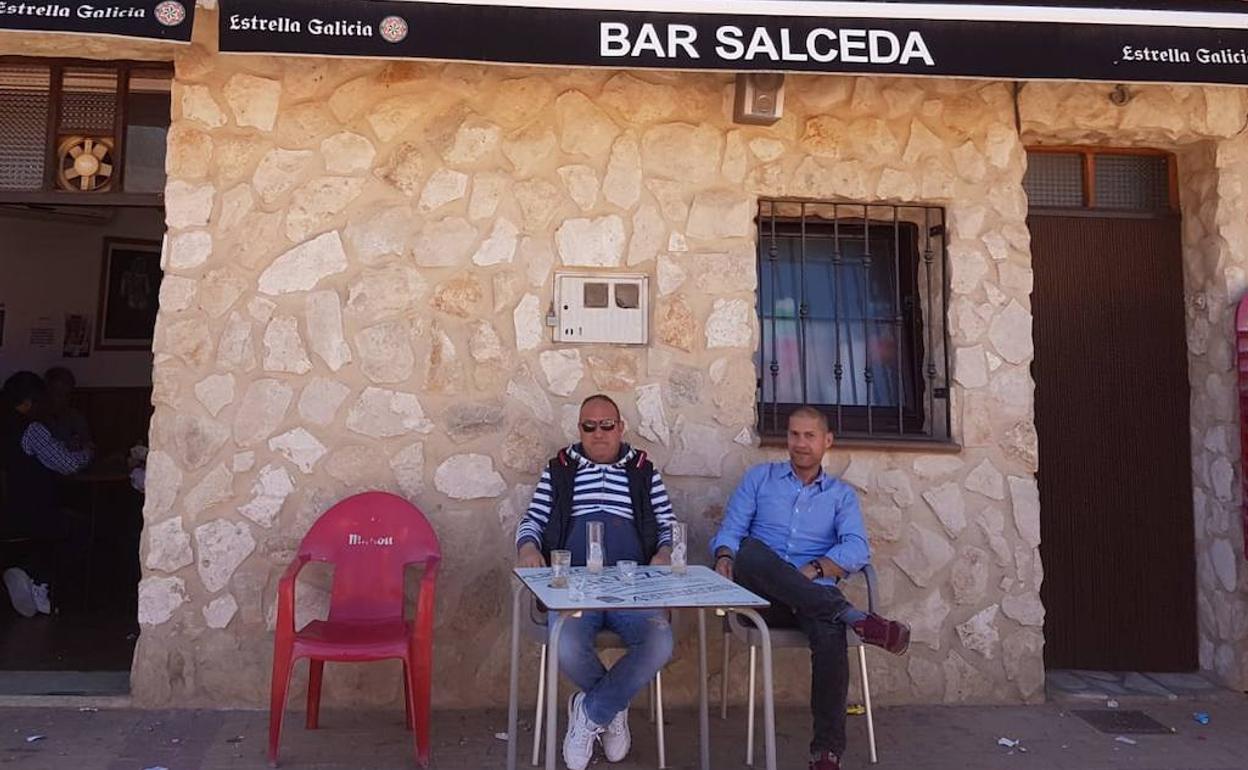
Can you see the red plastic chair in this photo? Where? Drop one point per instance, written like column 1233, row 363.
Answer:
column 371, row 539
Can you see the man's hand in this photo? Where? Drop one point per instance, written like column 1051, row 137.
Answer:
column 662, row 558
column 723, row 565
column 808, row 571
column 530, row 556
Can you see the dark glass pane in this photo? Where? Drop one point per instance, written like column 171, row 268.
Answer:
column 147, row 128
column 1054, row 180
column 23, row 126
column 1132, row 182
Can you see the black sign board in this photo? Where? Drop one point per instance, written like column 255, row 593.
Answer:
column 1073, row 41
column 151, row 19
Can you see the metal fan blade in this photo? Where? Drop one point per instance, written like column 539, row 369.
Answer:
column 106, row 169
column 87, row 144
column 86, row 183
column 72, row 173
column 74, row 152
column 99, row 151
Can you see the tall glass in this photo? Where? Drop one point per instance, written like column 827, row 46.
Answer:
column 680, row 548
column 560, row 566
column 594, row 547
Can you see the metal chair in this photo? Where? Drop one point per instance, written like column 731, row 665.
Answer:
column 795, row 638
column 536, row 629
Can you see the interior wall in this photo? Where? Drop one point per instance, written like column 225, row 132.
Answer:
column 51, row 266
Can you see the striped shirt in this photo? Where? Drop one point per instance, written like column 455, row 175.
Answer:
column 38, row 442
column 598, row 488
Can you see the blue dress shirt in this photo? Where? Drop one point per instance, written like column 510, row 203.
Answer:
column 799, row 522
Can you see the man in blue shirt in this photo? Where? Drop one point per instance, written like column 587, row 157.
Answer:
column 789, row 534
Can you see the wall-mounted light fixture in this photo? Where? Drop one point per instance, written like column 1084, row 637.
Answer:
column 759, row 98
column 1120, row 95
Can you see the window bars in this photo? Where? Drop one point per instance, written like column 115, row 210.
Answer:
column 852, row 308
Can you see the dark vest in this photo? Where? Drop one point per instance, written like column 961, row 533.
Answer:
column 30, row 488
column 640, row 472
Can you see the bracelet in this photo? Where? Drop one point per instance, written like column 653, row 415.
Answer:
column 818, row 569
column 723, row 556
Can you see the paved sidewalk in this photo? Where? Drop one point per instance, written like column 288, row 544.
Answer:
column 935, row 737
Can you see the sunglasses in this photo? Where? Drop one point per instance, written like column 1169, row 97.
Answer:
column 589, row 426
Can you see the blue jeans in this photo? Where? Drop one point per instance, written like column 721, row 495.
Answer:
column 648, row 636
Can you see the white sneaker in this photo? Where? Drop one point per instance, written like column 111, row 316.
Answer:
column 578, row 742
column 43, row 601
column 616, row 739
column 21, row 591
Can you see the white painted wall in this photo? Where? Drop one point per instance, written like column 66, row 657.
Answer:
column 50, row 266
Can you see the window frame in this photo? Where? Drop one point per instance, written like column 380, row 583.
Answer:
column 1087, row 155
column 49, row 194
column 913, row 422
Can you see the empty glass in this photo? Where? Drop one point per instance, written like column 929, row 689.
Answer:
column 594, row 551
column 680, row 548
column 628, row 571
column 560, row 565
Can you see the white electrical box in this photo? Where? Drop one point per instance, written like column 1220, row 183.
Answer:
column 602, row 307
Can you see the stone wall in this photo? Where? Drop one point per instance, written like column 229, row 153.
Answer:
column 1205, row 128
column 360, row 258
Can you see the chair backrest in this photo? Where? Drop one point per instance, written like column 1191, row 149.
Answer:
column 371, row 538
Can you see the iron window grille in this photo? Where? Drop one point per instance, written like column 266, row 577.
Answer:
column 852, row 308
column 83, row 131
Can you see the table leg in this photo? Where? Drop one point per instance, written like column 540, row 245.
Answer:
column 513, row 695
column 704, row 727
column 552, row 687
column 769, row 704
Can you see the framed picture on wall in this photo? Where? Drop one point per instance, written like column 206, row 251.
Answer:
column 129, row 294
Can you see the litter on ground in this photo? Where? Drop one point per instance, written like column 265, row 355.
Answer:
column 1126, row 740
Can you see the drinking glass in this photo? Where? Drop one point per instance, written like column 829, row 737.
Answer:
column 680, row 548
column 628, row 571
column 594, row 552
column 560, row 565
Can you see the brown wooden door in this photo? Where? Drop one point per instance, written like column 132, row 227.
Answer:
column 1115, row 457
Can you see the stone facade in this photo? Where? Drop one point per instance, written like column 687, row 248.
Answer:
column 360, row 258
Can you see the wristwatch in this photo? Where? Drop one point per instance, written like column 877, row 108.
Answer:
column 818, row 569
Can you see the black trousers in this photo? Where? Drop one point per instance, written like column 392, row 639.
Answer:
column 797, row 602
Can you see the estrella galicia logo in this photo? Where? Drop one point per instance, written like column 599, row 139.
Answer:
column 170, row 13
column 393, row 29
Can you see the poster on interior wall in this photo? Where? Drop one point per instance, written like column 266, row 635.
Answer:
column 77, row 341
column 129, row 293
column 42, row 332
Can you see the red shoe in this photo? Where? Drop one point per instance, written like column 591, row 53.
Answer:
column 825, row 761
column 891, row 635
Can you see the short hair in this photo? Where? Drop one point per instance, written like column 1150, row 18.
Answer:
column 806, row 410
column 23, row 386
column 59, row 374
column 602, row 397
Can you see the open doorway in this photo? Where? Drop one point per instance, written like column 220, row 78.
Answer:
column 81, row 220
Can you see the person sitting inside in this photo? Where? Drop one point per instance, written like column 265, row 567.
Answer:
column 66, row 423
column 789, row 534
column 605, row 480
column 31, row 458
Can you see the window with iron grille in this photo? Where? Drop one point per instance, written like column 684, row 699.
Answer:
column 82, row 132
column 852, row 303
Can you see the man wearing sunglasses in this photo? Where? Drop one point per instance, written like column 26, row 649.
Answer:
column 790, row 533
column 602, row 479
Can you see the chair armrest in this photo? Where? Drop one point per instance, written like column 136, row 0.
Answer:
column 422, row 628
column 869, row 573
column 286, row 594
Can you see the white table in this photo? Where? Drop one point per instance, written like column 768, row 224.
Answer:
column 654, row 588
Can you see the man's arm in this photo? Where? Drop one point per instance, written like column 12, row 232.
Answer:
column 38, row 442
column 851, row 551
column 661, row 504
column 738, row 515
column 533, row 525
